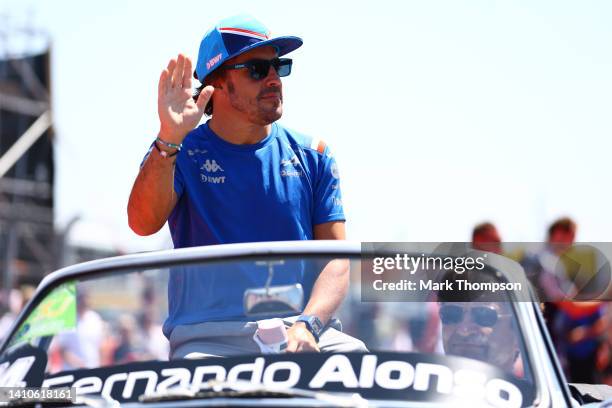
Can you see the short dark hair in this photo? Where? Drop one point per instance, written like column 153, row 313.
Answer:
column 213, row 76
column 565, row 224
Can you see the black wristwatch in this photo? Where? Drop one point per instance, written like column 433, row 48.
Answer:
column 313, row 324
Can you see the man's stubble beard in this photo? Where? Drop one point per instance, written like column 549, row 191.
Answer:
column 256, row 110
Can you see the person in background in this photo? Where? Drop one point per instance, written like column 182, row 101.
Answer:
column 581, row 328
column 485, row 237
column 480, row 324
column 576, row 328
column 81, row 347
column 130, row 343
column 17, row 299
column 482, row 331
column 156, row 344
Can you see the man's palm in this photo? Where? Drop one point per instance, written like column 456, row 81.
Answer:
column 178, row 112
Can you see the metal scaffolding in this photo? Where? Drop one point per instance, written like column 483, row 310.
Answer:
column 27, row 239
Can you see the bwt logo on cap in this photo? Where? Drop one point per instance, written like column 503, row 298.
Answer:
column 214, row 60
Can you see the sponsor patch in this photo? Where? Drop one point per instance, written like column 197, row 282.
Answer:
column 213, row 61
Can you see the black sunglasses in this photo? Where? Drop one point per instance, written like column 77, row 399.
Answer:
column 259, row 68
column 482, row 315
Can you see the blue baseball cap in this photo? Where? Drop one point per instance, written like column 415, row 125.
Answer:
column 234, row 36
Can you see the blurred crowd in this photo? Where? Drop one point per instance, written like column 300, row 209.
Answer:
column 580, row 330
column 101, row 338
column 101, row 341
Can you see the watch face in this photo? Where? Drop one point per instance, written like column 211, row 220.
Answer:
column 316, row 324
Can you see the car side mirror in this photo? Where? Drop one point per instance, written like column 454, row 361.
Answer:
column 273, row 300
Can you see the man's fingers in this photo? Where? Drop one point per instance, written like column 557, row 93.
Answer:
column 177, row 75
column 303, row 347
column 187, row 74
column 291, row 346
column 162, row 87
column 205, row 96
column 170, row 68
column 297, row 346
column 313, row 347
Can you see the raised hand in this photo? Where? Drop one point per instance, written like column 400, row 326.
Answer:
column 178, row 112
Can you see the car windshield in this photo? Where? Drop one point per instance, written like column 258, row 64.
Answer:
column 422, row 348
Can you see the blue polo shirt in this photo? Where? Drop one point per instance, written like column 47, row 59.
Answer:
column 275, row 190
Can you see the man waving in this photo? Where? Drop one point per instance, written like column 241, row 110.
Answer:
column 240, row 177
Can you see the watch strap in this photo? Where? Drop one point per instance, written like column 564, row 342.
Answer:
column 313, row 324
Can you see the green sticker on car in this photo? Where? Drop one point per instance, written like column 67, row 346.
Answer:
column 56, row 313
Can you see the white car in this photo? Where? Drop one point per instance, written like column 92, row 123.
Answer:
column 92, row 334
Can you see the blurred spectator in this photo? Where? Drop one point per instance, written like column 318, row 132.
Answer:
column 561, row 235
column 554, row 279
column 424, row 329
column 401, row 340
column 361, row 319
column 415, row 328
column 130, row 342
column 107, row 345
column 580, row 327
column 604, row 355
column 547, row 274
column 546, row 270
column 156, row 344
column 80, row 348
column 485, row 237
column 17, row 299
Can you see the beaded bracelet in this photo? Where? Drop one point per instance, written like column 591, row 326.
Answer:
column 163, row 152
column 178, row 147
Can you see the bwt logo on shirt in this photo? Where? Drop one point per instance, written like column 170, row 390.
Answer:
column 212, row 179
